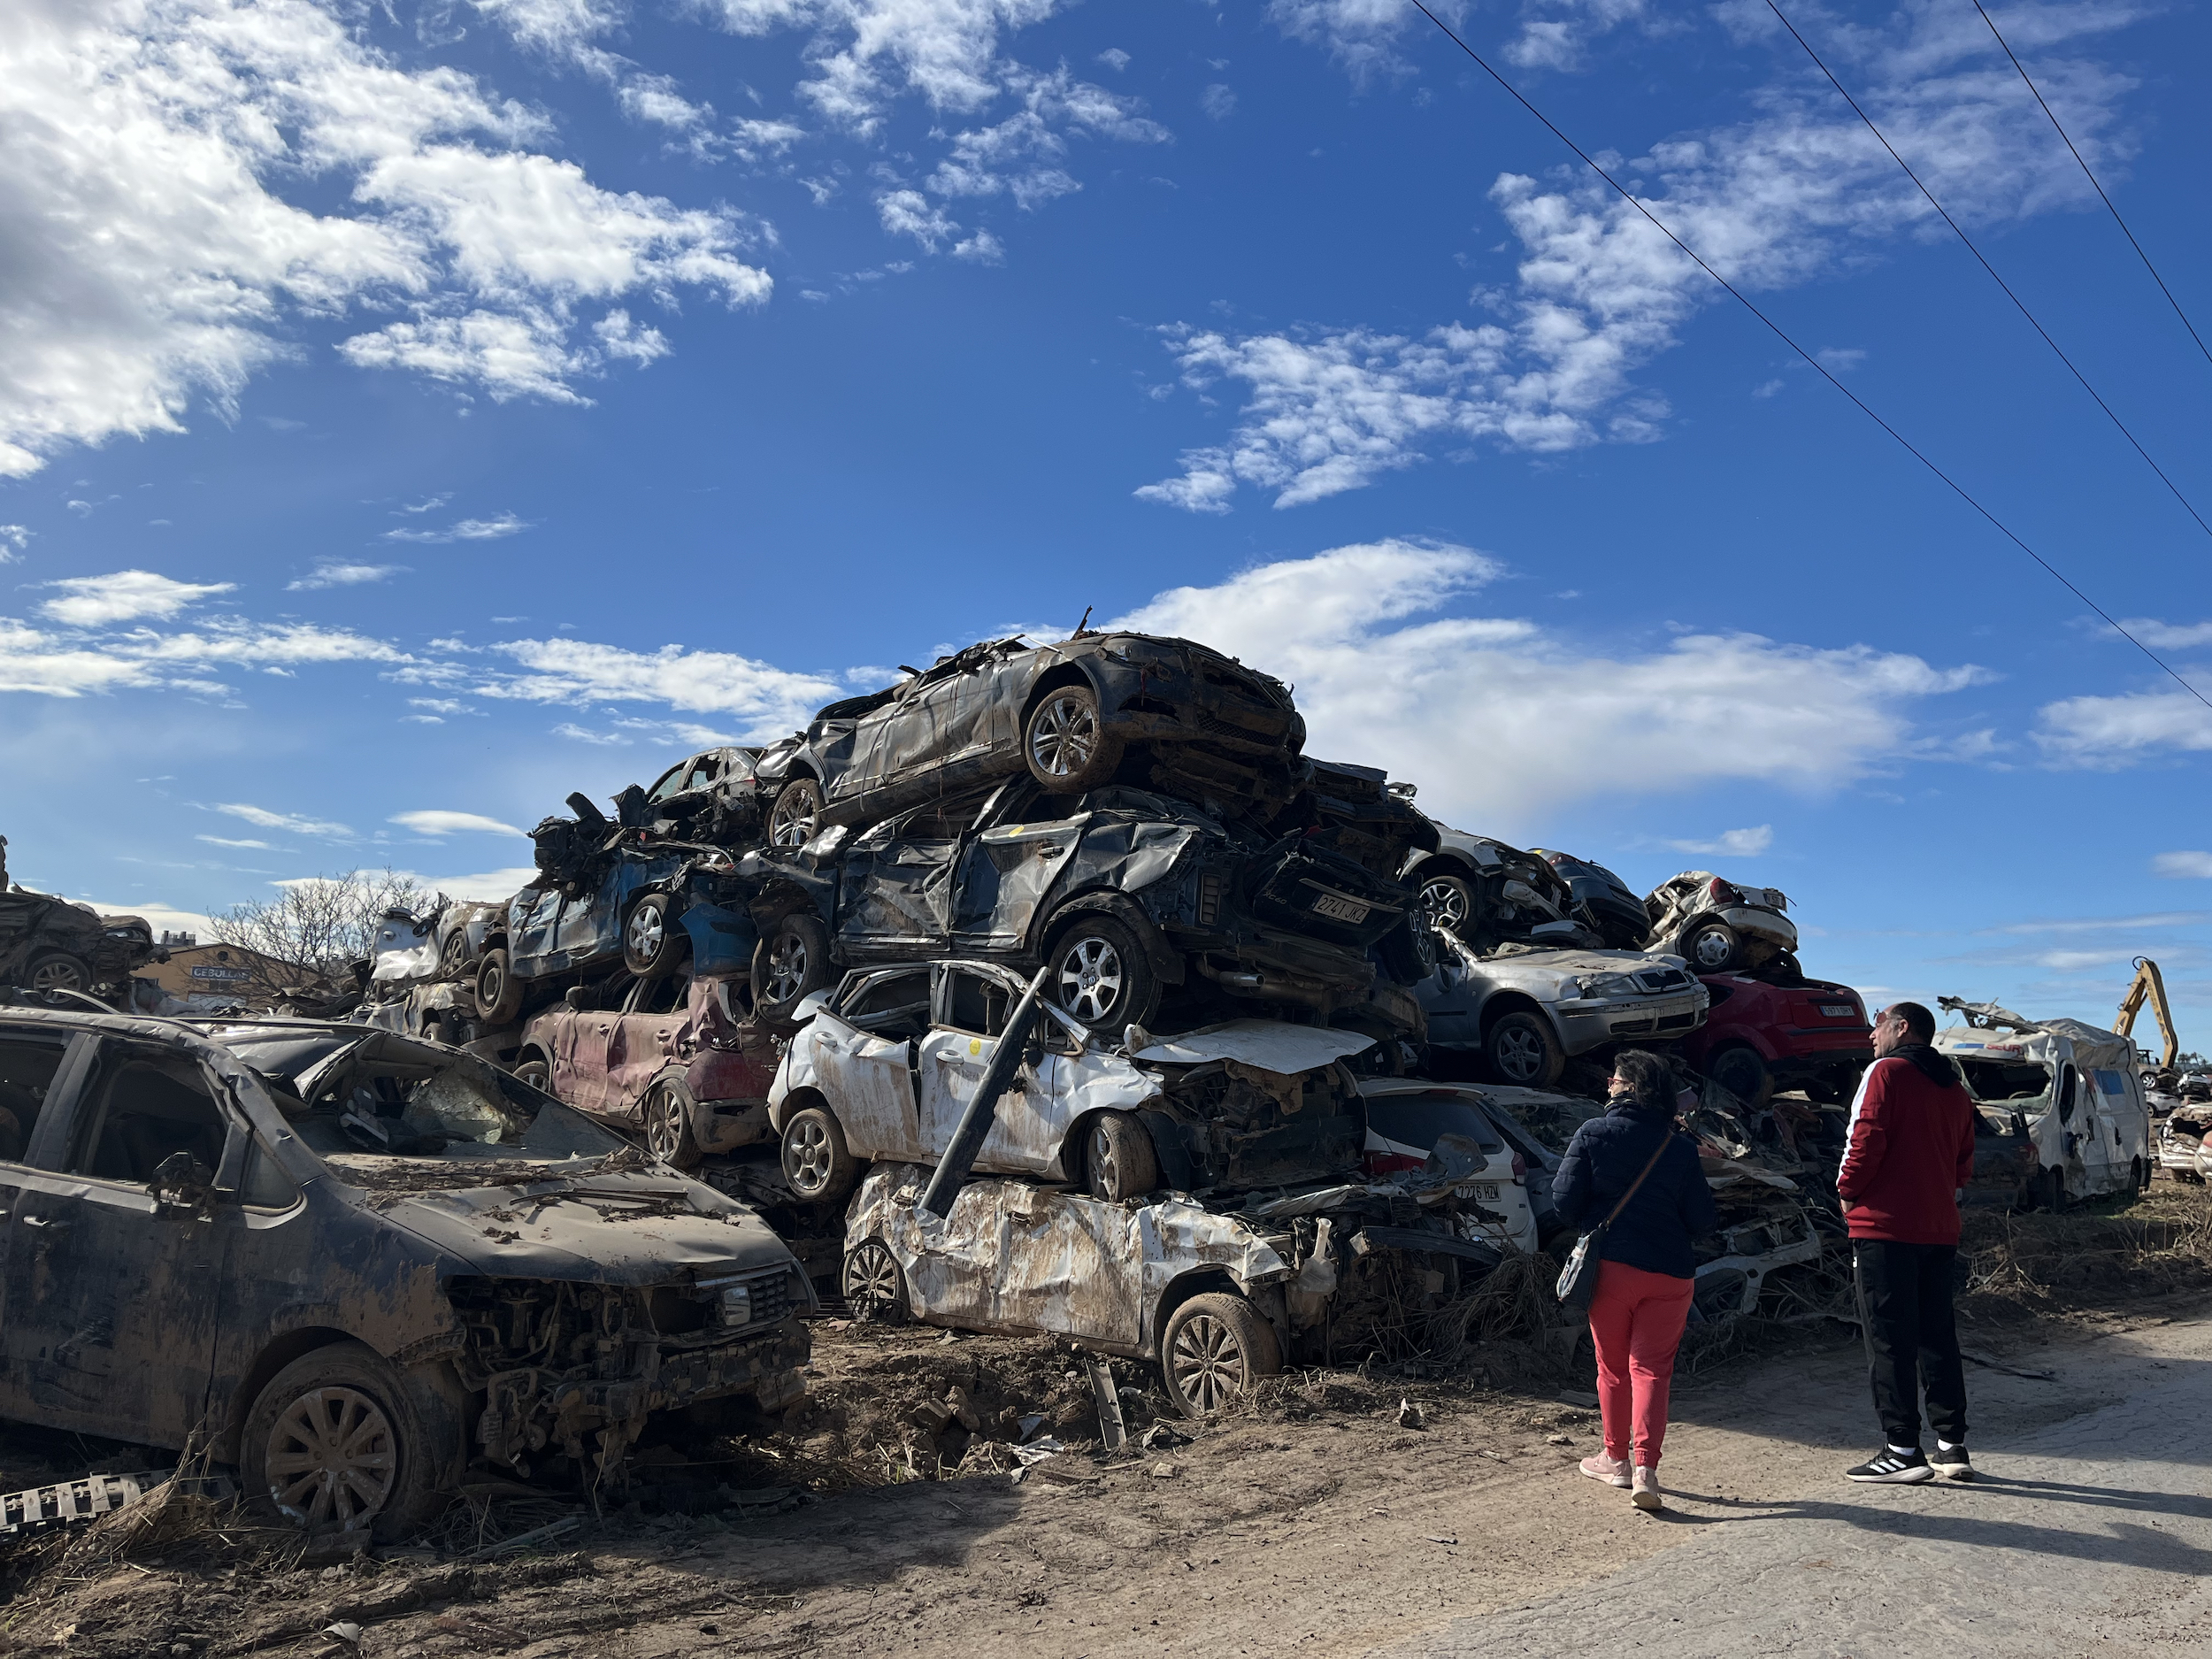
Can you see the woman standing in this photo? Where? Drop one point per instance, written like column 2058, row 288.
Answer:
column 1646, row 1269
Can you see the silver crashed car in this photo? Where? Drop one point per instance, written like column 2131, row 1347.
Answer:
column 1527, row 1011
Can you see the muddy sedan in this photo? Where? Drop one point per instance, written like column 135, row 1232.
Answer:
column 366, row 1262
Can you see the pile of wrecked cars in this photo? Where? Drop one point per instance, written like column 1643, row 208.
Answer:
column 59, row 950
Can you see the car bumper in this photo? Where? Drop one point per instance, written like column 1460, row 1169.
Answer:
column 1777, row 930
column 1586, row 1025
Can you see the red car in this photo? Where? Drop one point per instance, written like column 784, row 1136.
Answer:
column 675, row 1057
column 1782, row 1032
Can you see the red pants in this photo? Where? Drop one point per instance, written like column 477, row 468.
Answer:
column 1636, row 1321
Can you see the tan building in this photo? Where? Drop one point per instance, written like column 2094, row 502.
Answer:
column 222, row 972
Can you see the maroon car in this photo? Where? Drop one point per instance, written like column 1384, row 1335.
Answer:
column 1781, row 1032
column 681, row 1059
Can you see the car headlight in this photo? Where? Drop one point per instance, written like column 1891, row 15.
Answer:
column 1605, row 985
column 737, row 1306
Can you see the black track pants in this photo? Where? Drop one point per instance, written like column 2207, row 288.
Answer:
column 1912, row 1342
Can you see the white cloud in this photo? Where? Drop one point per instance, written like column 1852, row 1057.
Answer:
column 505, row 524
column 225, row 840
column 1555, row 34
column 980, row 249
column 154, row 262
column 1501, row 721
column 771, row 701
column 2169, row 636
column 1114, row 58
column 2110, row 733
column 333, row 575
column 910, row 213
column 438, row 822
column 1361, row 34
column 570, row 729
column 2184, row 866
column 91, row 602
column 13, row 539
column 1735, row 843
column 262, row 818
column 163, row 918
column 1219, row 101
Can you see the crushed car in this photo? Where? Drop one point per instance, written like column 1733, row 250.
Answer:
column 1715, row 925
column 51, row 946
column 1485, row 893
column 1527, row 1011
column 371, row 1264
column 1773, row 1031
column 886, row 1067
column 1092, row 710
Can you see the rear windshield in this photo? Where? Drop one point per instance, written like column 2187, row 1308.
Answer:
column 1417, row 1120
column 2004, row 1079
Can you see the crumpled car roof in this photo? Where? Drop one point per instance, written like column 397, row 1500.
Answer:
column 1268, row 1044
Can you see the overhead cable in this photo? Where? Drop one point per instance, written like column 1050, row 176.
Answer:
column 1819, row 368
column 2092, row 177
column 1818, row 63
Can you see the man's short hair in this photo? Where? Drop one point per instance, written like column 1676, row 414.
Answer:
column 1918, row 1022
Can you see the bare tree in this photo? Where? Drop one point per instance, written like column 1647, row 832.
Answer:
column 322, row 925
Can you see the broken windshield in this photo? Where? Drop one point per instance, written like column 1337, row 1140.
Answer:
column 1996, row 1081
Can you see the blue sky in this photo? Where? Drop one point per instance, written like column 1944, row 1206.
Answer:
column 411, row 414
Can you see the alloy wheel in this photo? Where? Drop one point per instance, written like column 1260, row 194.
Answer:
column 791, row 821
column 1210, row 1365
column 871, row 1284
column 1520, row 1056
column 1090, row 978
column 786, row 967
column 663, row 1123
column 1064, row 736
column 807, row 1158
column 1099, row 1161
column 333, row 1459
column 60, row 974
column 648, row 924
column 1445, row 906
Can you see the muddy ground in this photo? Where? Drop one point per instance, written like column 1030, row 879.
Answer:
column 1316, row 1519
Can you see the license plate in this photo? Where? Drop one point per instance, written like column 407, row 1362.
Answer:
column 1481, row 1192
column 1340, row 910
column 1839, row 1010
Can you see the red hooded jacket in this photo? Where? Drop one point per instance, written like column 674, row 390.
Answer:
column 1912, row 1147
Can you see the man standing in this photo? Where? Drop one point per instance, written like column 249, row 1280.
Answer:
column 1911, row 1150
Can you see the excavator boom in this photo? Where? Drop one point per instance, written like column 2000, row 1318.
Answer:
column 2149, row 985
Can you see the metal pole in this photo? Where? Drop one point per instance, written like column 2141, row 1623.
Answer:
column 982, row 1111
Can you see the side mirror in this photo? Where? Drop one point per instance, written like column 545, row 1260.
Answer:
column 180, row 1186
column 581, row 999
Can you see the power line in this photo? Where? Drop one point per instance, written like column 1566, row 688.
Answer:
column 1813, row 363
column 2000, row 282
column 2092, row 177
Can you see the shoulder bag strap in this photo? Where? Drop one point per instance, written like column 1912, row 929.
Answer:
column 1665, row 1135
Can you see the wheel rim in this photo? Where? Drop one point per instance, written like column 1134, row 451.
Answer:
column 1090, row 978
column 791, row 821
column 534, row 1074
column 456, row 950
column 1209, row 1362
column 1445, row 905
column 1712, row 948
column 648, row 927
column 491, row 986
column 663, row 1123
column 59, row 976
column 786, row 967
column 1519, row 1055
column 807, row 1156
column 871, row 1281
column 332, row 1457
column 1105, row 1177
column 1064, row 736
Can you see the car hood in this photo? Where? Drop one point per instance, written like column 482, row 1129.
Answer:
column 1548, row 967
column 600, row 1229
column 1269, row 1044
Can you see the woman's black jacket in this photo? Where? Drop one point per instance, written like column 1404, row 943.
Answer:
column 1673, row 1206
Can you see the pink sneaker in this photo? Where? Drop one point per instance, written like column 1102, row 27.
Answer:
column 1612, row 1470
column 1644, row 1493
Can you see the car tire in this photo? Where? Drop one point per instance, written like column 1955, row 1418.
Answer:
column 790, row 963
column 2138, row 1177
column 874, row 1284
column 498, row 992
column 1066, row 742
column 796, row 814
column 1449, row 903
column 1521, row 1049
column 1119, row 1161
column 536, row 1071
column 52, row 971
column 453, row 960
column 1215, row 1347
column 2050, row 1190
column 1743, row 1073
column 337, row 1443
column 652, row 938
column 1101, row 974
column 664, row 1116
column 816, row 1163
column 1710, row 947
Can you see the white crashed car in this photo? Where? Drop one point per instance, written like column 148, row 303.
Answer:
column 889, row 1061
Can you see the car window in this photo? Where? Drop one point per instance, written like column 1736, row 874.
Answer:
column 1999, row 1081
column 975, row 1004
column 28, row 1065
column 140, row 1107
column 2112, row 1085
column 663, row 995
column 671, row 782
column 266, row 1185
column 891, row 1005
column 703, row 771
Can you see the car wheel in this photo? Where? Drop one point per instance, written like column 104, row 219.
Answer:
column 536, row 1072
column 652, row 939
column 2050, row 1190
column 1448, row 902
column 1216, row 1347
column 2139, row 1178
column 1522, row 1050
column 816, row 1162
column 54, row 971
column 1119, row 1163
column 1066, row 742
column 1710, row 947
column 498, row 993
column 874, row 1288
column 1743, row 1074
column 791, row 962
column 667, row 1114
column 796, row 814
column 1101, row 974
column 454, row 958
column 335, row 1443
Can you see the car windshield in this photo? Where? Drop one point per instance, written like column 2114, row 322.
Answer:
column 1419, row 1119
column 1999, row 1081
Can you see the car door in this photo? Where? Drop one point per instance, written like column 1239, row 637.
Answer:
column 1007, row 875
column 586, row 1048
column 33, row 1063
column 644, row 1040
column 971, row 1007
column 894, row 892
column 112, row 1301
column 865, row 1053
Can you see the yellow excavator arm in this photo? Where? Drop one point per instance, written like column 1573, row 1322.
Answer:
column 2149, row 985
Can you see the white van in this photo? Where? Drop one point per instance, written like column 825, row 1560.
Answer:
column 2072, row 1088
